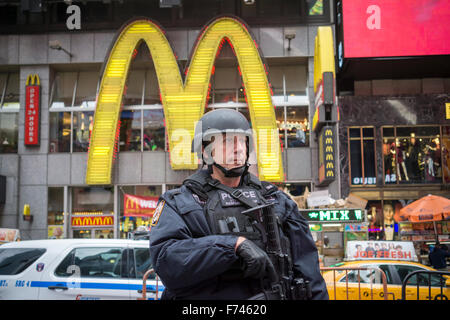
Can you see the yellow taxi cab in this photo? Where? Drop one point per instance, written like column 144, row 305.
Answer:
column 360, row 278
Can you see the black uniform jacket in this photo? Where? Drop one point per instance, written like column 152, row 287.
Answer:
column 193, row 263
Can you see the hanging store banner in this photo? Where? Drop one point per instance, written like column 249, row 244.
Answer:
column 184, row 97
column 92, row 221
column 390, row 250
column 32, row 110
column 387, row 28
column 138, row 206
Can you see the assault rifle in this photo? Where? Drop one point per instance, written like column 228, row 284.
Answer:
column 282, row 285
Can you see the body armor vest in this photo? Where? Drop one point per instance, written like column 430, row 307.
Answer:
column 224, row 212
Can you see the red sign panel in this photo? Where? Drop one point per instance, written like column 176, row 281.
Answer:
column 32, row 113
column 389, row 28
column 138, row 206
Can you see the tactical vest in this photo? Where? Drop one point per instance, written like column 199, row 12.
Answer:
column 224, row 212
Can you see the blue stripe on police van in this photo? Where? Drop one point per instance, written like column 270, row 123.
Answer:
column 94, row 285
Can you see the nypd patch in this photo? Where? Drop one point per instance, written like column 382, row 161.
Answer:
column 157, row 213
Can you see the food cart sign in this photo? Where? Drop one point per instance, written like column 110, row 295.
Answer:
column 386, row 250
column 333, row 215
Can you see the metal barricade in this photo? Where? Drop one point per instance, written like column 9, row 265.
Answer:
column 144, row 284
column 359, row 269
column 430, row 273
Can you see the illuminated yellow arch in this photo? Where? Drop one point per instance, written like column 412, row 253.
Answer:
column 183, row 103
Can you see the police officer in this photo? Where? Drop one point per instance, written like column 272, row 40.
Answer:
column 203, row 247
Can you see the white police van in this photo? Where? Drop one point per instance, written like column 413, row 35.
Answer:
column 83, row 269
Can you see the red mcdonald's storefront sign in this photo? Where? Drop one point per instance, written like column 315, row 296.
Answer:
column 139, row 206
column 97, row 221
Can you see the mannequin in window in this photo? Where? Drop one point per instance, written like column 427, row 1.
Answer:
column 389, row 157
column 375, row 224
column 390, row 227
column 400, row 159
column 429, row 164
column 412, row 161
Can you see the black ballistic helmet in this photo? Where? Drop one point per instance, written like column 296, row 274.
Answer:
column 217, row 122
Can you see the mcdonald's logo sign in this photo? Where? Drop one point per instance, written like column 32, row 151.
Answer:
column 33, row 80
column 92, row 221
column 32, row 110
column 131, row 203
column 183, row 101
column 139, row 206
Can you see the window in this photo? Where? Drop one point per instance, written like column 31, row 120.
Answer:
column 315, row 7
column 92, row 200
column 371, row 276
column 446, row 153
column 9, row 123
column 129, row 224
column 92, row 262
column 72, row 106
column 9, row 91
column 142, row 263
column 14, row 261
column 423, row 278
column 154, row 130
column 9, row 115
column 60, row 131
column 55, row 216
column 361, row 148
column 130, row 130
column 297, row 127
column 412, row 155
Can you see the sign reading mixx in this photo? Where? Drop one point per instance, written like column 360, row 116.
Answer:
column 333, row 215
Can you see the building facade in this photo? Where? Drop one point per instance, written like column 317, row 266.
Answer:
column 394, row 95
column 68, row 56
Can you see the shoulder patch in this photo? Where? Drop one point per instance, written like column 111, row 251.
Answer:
column 157, row 213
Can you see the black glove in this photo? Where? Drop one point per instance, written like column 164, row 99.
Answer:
column 255, row 263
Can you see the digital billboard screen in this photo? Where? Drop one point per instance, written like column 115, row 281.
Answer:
column 395, row 28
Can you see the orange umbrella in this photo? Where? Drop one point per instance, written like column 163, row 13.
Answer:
column 428, row 208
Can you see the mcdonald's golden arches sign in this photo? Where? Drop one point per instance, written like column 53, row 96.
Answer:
column 92, row 221
column 183, row 101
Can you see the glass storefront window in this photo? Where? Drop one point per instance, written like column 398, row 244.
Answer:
column 412, row 154
column 60, row 129
column 135, row 83
column 10, row 91
column 74, row 89
column 129, row 224
column 315, row 7
column 55, row 215
column 154, row 130
column 446, row 153
column 9, row 132
column 92, row 200
column 83, row 123
column 362, row 156
column 297, row 127
column 130, row 130
column 86, row 89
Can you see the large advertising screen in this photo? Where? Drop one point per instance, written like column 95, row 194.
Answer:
column 387, row 28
